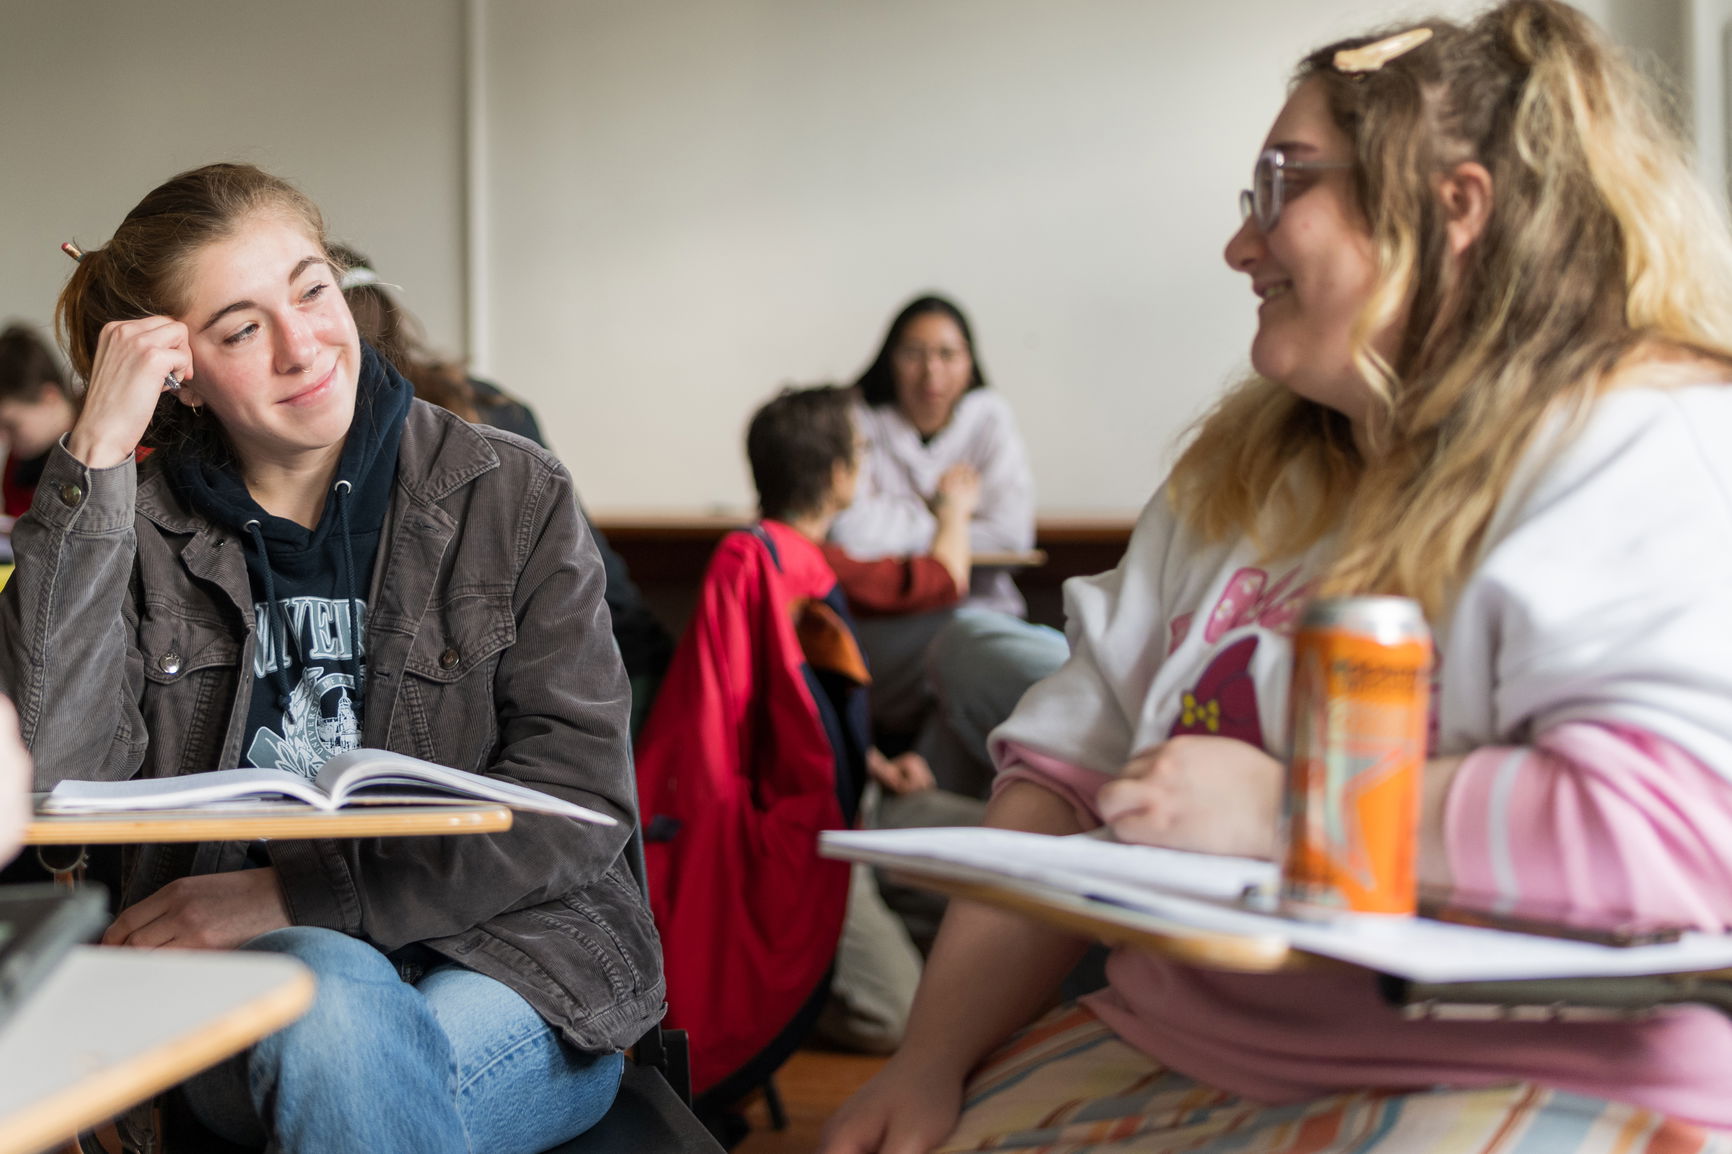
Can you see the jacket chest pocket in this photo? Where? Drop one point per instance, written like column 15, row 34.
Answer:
column 191, row 677
column 448, row 680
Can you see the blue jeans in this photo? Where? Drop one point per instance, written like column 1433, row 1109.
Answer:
column 453, row 1062
column 946, row 678
column 977, row 668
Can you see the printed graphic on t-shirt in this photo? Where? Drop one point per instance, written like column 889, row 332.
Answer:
column 321, row 720
column 1224, row 700
column 1248, row 599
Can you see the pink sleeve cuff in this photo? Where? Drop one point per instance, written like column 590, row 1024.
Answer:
column 1601, row 822
column 1478, row 859
column 1073, row 783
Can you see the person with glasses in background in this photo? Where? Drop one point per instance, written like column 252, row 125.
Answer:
column 943, row 678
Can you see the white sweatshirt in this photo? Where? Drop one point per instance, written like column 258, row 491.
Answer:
column 899, row 474
column 1586, row 671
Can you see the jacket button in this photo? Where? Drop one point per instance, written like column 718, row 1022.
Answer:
column 71, row 494
column 449, row 659
column 169, row 663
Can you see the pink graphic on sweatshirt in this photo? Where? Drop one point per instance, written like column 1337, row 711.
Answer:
column 1224, row 701
column 1177, row 628
column 1248, row 599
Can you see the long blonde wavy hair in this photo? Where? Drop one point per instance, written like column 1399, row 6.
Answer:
column 1602, row 248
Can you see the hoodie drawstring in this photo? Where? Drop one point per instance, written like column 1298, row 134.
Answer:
column 341, row 491
column 277, row 620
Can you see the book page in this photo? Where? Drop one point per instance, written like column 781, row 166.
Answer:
column 355, row 773
column 1201, row 891
column 188, row 791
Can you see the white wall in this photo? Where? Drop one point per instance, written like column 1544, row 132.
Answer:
column 691, row 204
column 361, row 104
column 684, row 204
column 1705, row 35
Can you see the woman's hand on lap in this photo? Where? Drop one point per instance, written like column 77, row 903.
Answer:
column 133, row 360
column 905, row 773
column 1201, row 793
column 900, row 1111
column 204, row 912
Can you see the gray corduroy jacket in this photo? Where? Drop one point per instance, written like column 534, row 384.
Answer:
column 126, row 640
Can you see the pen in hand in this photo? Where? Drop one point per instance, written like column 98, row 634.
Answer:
column 172, row 381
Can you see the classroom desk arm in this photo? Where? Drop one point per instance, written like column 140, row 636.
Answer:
column 1559, row 999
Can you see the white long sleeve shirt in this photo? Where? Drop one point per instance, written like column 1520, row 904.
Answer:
column 899, row 474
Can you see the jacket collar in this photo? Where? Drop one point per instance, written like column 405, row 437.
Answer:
column 440, row 454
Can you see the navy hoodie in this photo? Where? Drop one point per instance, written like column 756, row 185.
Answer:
column 310, row 585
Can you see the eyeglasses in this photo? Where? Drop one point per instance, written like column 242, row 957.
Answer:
column 1268, row 191
column 916, row 355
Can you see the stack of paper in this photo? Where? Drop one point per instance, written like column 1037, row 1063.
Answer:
column 1202, row 893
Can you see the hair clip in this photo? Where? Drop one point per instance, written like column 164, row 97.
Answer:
column 1371, row 57
column 72, row 251
column 358, row 276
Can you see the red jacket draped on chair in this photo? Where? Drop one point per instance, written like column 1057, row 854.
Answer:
column 738, row 772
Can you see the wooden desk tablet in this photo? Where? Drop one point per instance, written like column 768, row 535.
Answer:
column 668, row 550
column 1191, row 907
column 1117, row 926
column 113, row 1027
column 1024, row 559
column 285, row 820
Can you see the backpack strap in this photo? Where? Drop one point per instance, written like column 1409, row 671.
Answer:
column 768, row 541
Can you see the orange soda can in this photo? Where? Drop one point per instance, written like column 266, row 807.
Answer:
column 1361, row 692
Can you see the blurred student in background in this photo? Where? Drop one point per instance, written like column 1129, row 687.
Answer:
column 37, row 408
column 924, row 411
column 927, row 418
column 644, row 643
column 758, row 741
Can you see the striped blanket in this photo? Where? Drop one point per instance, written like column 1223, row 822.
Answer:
column 1067, row 1084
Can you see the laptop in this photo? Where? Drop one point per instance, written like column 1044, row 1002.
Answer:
column 39, row 923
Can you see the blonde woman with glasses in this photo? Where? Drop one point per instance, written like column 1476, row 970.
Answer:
column 1490, row 373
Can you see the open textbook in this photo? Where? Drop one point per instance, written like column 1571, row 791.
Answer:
column 1176, row 893
column 355, row 777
